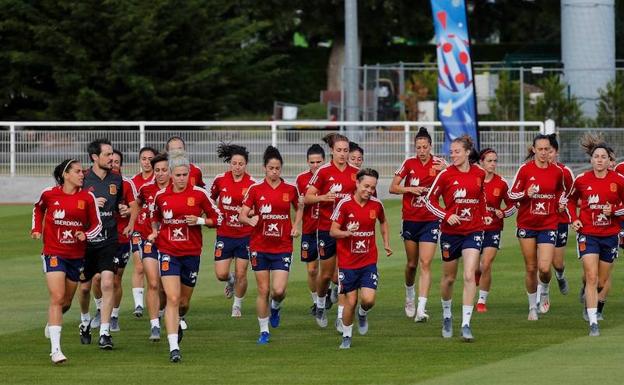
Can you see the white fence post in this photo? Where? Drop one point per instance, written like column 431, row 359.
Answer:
column 12, row 148
column 273, row 134
column 407, row 140
column 141, row 134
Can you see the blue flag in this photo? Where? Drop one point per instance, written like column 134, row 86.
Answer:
column 456, row 91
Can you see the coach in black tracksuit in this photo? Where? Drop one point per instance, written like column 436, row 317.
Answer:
column 107, row 186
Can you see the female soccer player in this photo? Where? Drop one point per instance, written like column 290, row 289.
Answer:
column 66, row 215
column 332, row 182
column 271, row 241
column 356, row 155
column 601, row 194
column 496, row 192
column 463, row 218
column 177, row 220
column 309, row 245
column 353, row 226
column 538, row 188
column 232, row 241
column 421, row 228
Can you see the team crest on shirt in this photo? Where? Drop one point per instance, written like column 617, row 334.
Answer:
column 372, row 214
column 190, row 201
column 112, row 189
column 353, row 177
column 81, row 204
column 613, row 187
column 497, row 192
column 432, row 171
column 285, row 197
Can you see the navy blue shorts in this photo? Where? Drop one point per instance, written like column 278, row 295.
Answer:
column 354, row 279
column 452, row 245
column 541, row 236
column 123, row 255
column 326, row 245
column 270, row 261
column 135, row 242
column 491, row 239
column 605, row 247
column 73, row 268
column 421, row 231
column 148, row 250
column 186, row 267
column 309, row 248
column 562, row 235
column 227, row 248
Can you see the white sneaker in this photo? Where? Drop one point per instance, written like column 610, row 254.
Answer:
column 46, row 331
column 334, row 294
column 410, row 308
column 58, row 357
column 236, row 312
column 544, row 303
column 183, row 324
column 421, row 317
column 339, row 325
column 533, row 314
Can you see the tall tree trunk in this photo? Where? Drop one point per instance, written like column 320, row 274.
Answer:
column 334, row 67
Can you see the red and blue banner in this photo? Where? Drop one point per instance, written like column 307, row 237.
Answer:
column 456, row 89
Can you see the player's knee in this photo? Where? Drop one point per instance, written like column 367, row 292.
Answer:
column 591, row 280
column 241, row 276
column 411, row 266
column 469, row 278
column 57, row 299
column 152, row 286
column 222, row 275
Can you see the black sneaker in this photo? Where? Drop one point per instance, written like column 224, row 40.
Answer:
column 175, row 356
column 180, row 335
column 106, row 342
column 328, row 302
column 313, row 310
column 85, row 333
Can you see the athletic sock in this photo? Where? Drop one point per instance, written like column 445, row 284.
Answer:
column 314, row 297
column 137, row 295
column 55, row 337
column 544, row 287
column 238, row 302
column 264, row 324
column 532, row 300
column 560, row 274
column 104, row 329
column 275, row 304
column 446, row 308
column 155, row 322
column 231, row 278
column 410, row 292
column 347, row 331
column 483, row 296
column 85, row 318
column 362, row 312
column 591, row 314
column 161, row 313
column 173, row 342
column 340, row 311
column 422, row 304
column 320, row 302
column 98, row 303
column 466, row 314
column 115, row 312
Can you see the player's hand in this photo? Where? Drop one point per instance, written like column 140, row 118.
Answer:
column 487, row 220
column 532, row 190
column 453, row 220
column 329, row 197
column 499, row 214
column 124, row 210
column 253, row 221
column 191, row 219
column 439, row 163
column 100, row 202
column 80, row 235
column 35, row 235
column 608, row 210
column 388, row 250
column 576, row 225
column 127, row 231
column 294, row 233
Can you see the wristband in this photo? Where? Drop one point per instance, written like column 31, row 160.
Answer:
column 201, row 221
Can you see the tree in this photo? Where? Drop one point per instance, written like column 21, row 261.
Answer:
column 556, row 105
column 611, row 104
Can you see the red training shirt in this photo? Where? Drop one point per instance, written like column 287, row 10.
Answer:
column 230, row 196
column 329, row 178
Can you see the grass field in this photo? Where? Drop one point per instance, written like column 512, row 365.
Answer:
column 218, row 350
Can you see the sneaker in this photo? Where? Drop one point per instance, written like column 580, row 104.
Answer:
column 229, row 289
column 594, row 330
column 585, row 315
column 346, row 343
column 85, row 333
column 95, row 322
column 236, row 312
column 467, row 333
column 544, row 304
column 533, row 314
column 321, row 317
column 563, row 285
column 447, row 327
column 175, row 356
column 328, row 301
column 599, row 317
column 338, row 325
column 138, row 311
column 333, row 296
column 481, row 308
column 180, row 333
column 264, row 338
column 155, row 334
column 410, row 308
column 313, row 310
column 114, row 324
column 362, row 324
column 274, row 318
column 105, row 342
column 58, row 357
column 421, row 317
column 183, row 323
column 46, row 331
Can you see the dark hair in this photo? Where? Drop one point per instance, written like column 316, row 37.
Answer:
column 272, row 153
column 159, row 158
column 226, row 151
column 485, row 152
column 552, row 138
column 355, row 147
column 95, row 147
column 473, row 157
column 591, row 142
column 148, row 148
column 423, row 133
column 333, row 138
column 316, row 149
column 60, row 169
column 172, row 139
column 531, row 154
column 116, row 151
column 367, row 172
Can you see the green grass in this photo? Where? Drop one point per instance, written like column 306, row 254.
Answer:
column 217, row 349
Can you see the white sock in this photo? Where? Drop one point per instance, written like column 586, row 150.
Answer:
column 340, row 311
column 362, row 312
column 115, row 312
column 238, row 302
column 422, row 304
column 264, row 324
column 98, row 303
column 410, row 292
column 483, row 296
column 161, row 313
column 55, row 337
column 85, row 318
column 137, row 294
column 591, row 314
column 275, row 304
column 231, row 278
column 173, row 342
column 314, row 296
column 155, row 322
column 347, row 331
column 320, row 302
column 104, row 329
column 466, row 314
column 532, row 300
column 446, row 308
column 544, row 287
column 559, row 275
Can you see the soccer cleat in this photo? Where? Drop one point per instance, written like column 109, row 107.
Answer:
column 138, row 311
column 114, row 324
column 594, row 330
column 264, row 338
column 533, row 314
column 346, row 343
column 313, row 310
column 321, row 317
column 447, row 327
column 585, row 315
column 410, row 308
column 58, row 357
column 544, row 304
column 362, row 324
column 599, row 317
column 338, row 325
column 105, row 342
column 333, row 296
column 229, row 289
column 95, row 322
column 183, row 323
column 155, row 334
column 175, row 356
column 328, row 301
column 236, row 312
column 180, row 333
column 563, row 285
column 46, row 331
column 421, row 317
column 467, row 333
column 274, row 318
column 481, row 308
column 85, row 333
